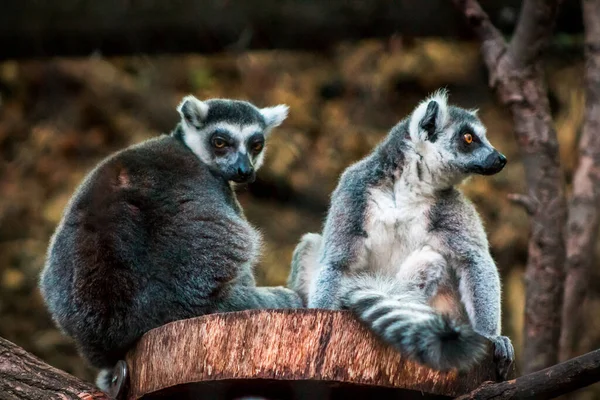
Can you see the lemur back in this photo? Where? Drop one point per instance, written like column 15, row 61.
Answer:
column 398, row 234
column 155, row 233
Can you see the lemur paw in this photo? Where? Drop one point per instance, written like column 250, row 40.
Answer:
column 423, row 269
column 287, row 298
column 504, row 355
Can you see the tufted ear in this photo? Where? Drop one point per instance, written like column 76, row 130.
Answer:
column 192, row 111
column 275, row 115
column 429, row 117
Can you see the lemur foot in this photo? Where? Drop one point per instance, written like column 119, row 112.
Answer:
column 423, row 270
column 504, row 355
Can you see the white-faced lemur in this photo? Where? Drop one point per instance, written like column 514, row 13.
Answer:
column 155, row 233
column 399, row 235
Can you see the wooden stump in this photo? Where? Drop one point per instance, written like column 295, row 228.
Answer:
column 293, row 354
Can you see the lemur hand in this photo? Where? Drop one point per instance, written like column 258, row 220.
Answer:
column 504, row 355
column 286, row 298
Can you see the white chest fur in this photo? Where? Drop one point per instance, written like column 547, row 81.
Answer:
column 397, row 221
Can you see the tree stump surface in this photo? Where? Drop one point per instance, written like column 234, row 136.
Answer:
column 283, row 352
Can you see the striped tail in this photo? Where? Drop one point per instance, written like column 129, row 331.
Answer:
column 404, row 320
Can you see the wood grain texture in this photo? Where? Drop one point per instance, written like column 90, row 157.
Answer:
column 283, row 345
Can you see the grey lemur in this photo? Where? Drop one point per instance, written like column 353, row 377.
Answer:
column 155, row 233
column 400, row 236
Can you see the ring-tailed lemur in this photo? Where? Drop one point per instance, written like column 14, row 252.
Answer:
column 398, row 232
column 155, row 233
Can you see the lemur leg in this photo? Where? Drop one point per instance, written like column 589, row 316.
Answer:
column 304, row 263
column 324, row 288
column 242, row 298
column 480, row 293
column 342, row 256
column 423, row 270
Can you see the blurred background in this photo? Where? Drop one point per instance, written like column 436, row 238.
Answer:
column 59, row 116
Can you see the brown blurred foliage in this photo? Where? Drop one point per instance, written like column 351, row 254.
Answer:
column 59, row 118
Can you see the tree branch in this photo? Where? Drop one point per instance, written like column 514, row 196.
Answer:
column 24, row 376
column 546, row 384
column 582, row 229
column 521, row 87
column 493, row 45
column 536, row 22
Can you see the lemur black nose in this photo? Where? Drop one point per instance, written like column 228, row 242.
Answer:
column 492, row 164
column 501, row 160
column 244, row 173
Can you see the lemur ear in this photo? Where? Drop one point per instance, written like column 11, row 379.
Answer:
column 275, row 115
column 193, row 111
column 429, row 117
column 428, row 123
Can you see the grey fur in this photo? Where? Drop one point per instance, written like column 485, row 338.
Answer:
column 398, row 233
column 153, row 235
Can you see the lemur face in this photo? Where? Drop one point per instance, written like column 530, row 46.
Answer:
column 452, row 140
column 471, row 152
column 229, row 135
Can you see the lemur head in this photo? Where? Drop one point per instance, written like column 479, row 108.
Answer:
column 452, row 141
column 229, row 135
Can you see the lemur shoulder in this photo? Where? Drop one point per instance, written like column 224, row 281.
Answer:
column 155, row 233
column 399, row 236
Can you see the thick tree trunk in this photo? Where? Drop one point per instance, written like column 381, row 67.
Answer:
column 31, row 29
column 25, row 377
column 517, row 76
column 582, row 228
column 546, row 253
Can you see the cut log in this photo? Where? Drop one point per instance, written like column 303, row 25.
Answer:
column 25, row 377
column 283, row 354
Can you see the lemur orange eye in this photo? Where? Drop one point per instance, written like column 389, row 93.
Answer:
column 219, row 143
column 468, row 138
column 258, row 146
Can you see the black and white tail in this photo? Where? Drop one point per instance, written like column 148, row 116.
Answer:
column 403, row 319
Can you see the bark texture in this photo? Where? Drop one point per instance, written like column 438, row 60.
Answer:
column 582, row 228
column 25, row 377
column 517, row 77
column 304, row 347
column 546, row 384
